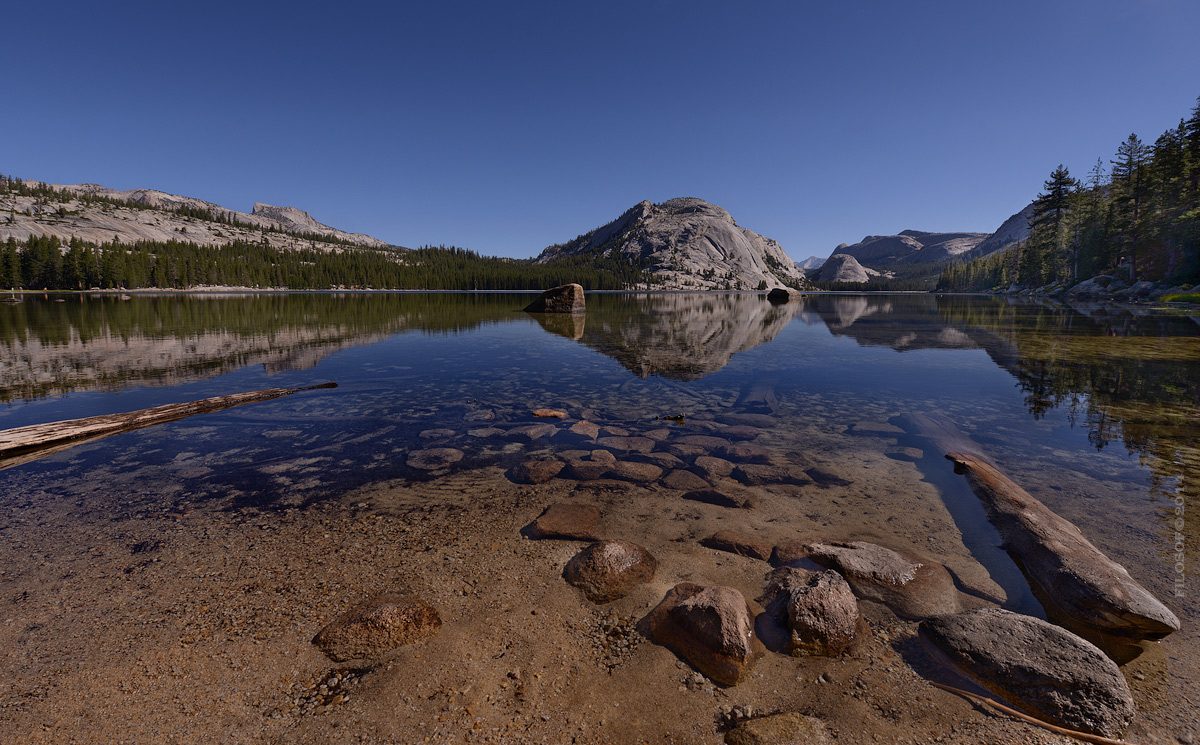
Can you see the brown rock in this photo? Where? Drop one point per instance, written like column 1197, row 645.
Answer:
column 586, row 429
column 739, row 432
column 537, row 470
column 603, row 456
column 549, row 414
column 707, row 443
column 712, row 468
column 686, row 452
column 744, row 453
column 436, row 434
column 905, row 453
column 609, row 570
column 738, row 543
column 562, row 299
column 658, row 435
column 753, row 474
column 719, row 498
column 531, row 432
column 640, row 473
column 818, row 608
column 580, row 522
column 665, row 461
column 710, row 627
column 376, row 626
column 911, row 587
column 762, row 421
column 779, row 729
column 789, row 553
column 684, row 481
column 434, row 458
column 627, row 444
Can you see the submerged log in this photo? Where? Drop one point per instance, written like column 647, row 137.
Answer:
column 25, row 444
column 1081, row 583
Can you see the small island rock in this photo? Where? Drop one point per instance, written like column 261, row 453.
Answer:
column 562, row 299
column 710, row 627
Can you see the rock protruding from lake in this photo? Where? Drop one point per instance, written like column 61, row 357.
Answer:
column 609, row 570
column 791, row 728
column 561, row 299
column 781, row 295
column 577, row 522
column 1073, row 578
column 710, row 627
column 911, row 587
column 376, row 626
column 818, row 609
column 1039, row 667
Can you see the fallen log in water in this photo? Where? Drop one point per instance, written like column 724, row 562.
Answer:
column 1082, row 583
column 25, row 444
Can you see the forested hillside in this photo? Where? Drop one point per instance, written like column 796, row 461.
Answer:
column 321, row 262
column 1136, row 218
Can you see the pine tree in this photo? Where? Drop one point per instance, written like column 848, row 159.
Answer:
column 1129, row 193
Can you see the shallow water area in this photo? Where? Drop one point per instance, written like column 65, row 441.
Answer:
column 163, row 585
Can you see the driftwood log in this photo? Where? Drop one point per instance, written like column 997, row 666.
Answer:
column 1081, row 583
column 25, row 444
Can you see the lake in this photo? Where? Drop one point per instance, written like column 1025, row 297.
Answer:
column 187, row 565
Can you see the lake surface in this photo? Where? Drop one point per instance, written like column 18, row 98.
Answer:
column 1093, row 409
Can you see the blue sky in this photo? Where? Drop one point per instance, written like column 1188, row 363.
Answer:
column 506, row 127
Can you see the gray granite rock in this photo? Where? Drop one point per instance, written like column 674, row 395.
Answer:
column 710, row 627
column 609, row 570
column 562, row 299
column 1037, row 666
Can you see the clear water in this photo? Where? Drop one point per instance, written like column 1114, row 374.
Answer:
column 1094, row 410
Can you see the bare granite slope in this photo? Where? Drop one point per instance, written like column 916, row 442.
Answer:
column 102, row 222
column 687, row 243
column 911, row 247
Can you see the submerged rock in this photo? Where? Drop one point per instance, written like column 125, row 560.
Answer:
column 434, row 458
column 579, row 522
column 721, row 499
column 755, row 474
column 818, row 609
column 1040, row 667
column 684, row 481
column 710, row 627
column 738, row 543
column 562, row 299
column 376, row 626
column 609, row 570
column 537, row 470
column 911, row 587
column 639, row 473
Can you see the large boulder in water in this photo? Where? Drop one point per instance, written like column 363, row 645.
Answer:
column 561, row 299
column 1041, row 668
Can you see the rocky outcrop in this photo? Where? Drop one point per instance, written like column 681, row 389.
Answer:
column 911, row 247
column 1014, row 230
column 562, row 299
column 376, row 626
column 843, row 268
column 609, row 570
column 1038, row 666
column 911, row 587
column 710, row 627
column 686, row 243
column 99, row 222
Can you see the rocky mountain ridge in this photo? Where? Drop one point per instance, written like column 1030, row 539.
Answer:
column 149, row 215
column 911, row 247
column 687, row 244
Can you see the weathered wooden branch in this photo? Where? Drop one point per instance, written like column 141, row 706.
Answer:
column 25, row 444
column 1082, row 583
